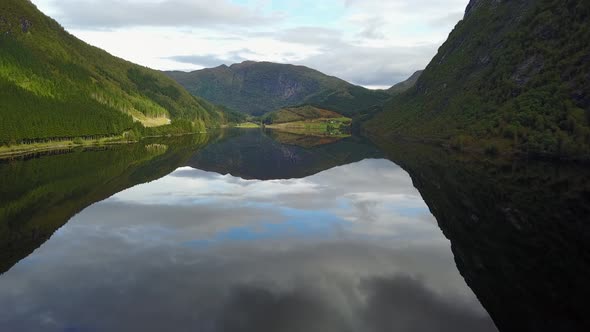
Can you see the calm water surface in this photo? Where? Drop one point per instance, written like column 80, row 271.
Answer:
column 350, row 248
column 337, row 238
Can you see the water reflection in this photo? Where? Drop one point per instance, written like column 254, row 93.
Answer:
column 336, row 251
column 39, row 195
column 266, row 155
column 519, row 231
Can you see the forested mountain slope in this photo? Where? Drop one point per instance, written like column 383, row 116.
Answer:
column 260, row 87
column 513, row 75
column 54, row 85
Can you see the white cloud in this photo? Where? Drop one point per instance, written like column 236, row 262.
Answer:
column 171, row 13
column 366, row 65
column 368, row 42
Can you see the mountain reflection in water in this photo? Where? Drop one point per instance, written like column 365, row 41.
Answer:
column 196, row 250
column 255, row 231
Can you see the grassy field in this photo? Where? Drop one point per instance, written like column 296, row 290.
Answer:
column 299, row 113
column 248, row 125
column 308, row 120
column 330, row 126
column 149, row 121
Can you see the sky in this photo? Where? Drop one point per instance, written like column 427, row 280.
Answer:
column 374, row 43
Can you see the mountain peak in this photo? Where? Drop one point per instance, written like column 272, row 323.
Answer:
column 260, row 87
column 243, row 64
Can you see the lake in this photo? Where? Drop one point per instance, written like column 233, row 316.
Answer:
column 247, row 230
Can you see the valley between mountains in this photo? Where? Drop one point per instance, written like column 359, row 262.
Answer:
column 512, row 78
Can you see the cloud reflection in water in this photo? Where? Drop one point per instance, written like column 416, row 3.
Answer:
column 353, row 248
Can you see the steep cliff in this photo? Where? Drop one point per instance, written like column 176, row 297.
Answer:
column 512, row 76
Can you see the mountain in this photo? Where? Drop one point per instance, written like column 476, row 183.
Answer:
column 260, row 87
column 513, row 76
column 53, row 85
column 405, row 85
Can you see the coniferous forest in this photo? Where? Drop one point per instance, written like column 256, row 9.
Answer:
column 54, row 86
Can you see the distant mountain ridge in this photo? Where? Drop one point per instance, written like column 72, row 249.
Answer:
column 405, row 85
column 259, row 87
column 53, row 85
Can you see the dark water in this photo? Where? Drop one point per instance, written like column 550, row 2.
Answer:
column 252, row 231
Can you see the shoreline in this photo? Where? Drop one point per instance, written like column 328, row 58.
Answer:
column 476, row 150
column 23, row 150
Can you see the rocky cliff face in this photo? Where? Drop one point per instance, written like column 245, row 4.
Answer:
column 7, row 27
column 473, row 4
column 276, row 82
